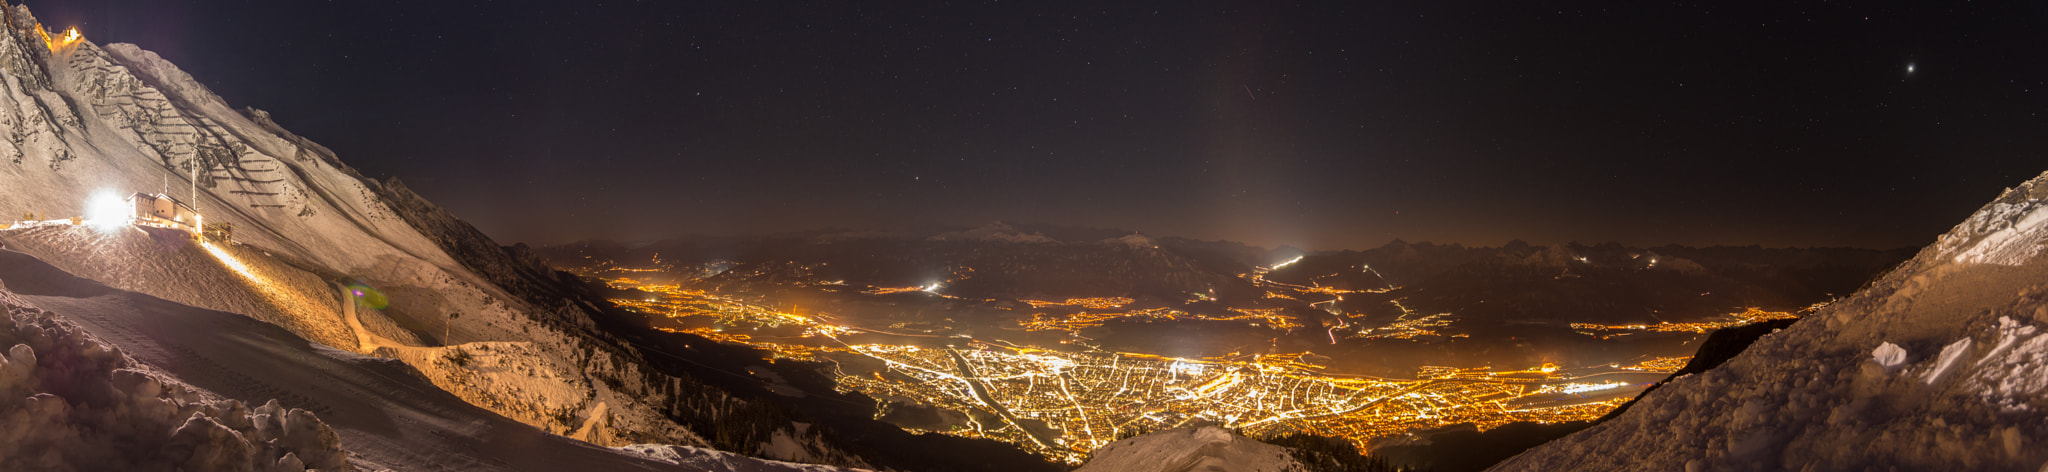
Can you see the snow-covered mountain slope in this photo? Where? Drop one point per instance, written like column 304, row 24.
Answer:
column 164, row 263
column 84, row 122
column 383, row 412
column 1199, row 449
column 1940, row 365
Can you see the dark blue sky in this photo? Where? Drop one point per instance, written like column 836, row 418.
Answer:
column 1322, row 124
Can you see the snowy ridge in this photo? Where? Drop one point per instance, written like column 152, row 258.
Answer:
column 1938, row 365
column 2009, row 231
column 1206, row 448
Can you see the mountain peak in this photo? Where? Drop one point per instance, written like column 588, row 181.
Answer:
column 993, row 232
column 1136, row 241
column 1938, row 364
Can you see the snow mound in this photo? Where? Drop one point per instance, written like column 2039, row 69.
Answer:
column 1206, row 448
column 712, row 460
column 1840, row 391
column 70, row 402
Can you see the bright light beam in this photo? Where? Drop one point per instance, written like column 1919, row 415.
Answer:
column 107, row 211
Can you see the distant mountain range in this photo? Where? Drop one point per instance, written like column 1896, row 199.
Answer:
column 1938, row 364
column 1510, row 306
column 1512, row 283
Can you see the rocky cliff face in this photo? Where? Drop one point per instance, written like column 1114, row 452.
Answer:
column 1939, row 365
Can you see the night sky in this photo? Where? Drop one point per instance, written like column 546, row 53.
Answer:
column 1321, row 125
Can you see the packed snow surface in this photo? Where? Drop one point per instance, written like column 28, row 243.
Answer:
column 1841, row 389
column 380, row 410
column 1200, row 449
column 713, row 460
column 70, row 402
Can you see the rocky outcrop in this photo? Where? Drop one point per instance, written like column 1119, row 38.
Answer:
column 1938, row 365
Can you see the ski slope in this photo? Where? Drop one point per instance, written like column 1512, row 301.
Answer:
column 384, row 412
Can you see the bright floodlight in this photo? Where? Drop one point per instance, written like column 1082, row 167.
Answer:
column 106, row 210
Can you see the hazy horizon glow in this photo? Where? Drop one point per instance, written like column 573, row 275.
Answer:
column 1326, row 125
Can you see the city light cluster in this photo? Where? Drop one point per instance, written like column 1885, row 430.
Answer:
column 1063, row 404
column 1750, row 316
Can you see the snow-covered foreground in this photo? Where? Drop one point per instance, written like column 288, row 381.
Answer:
column 69, row 401
column 384, row 413
column 1206, row 448
column 1940, row 365
column 713, row 460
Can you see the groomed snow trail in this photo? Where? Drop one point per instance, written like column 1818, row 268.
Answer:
column 366, row 340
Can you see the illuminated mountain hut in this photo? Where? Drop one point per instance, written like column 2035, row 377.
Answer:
column 162, row 210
